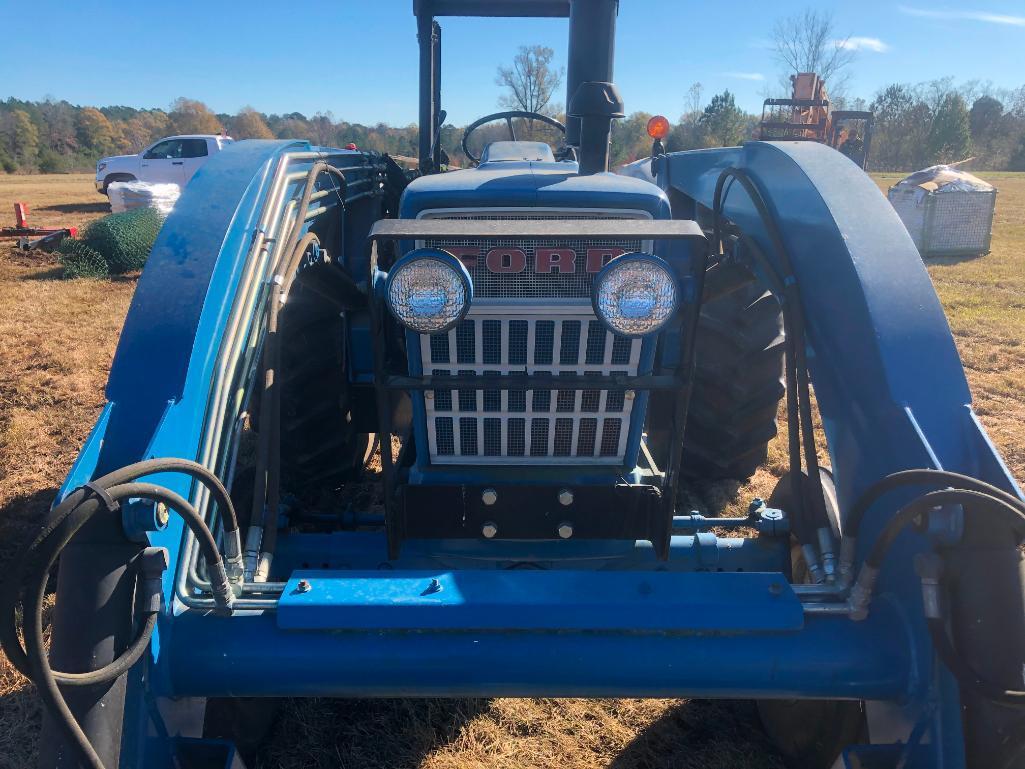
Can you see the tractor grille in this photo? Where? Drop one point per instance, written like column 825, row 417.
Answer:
column 499, row 426
column 527, row 284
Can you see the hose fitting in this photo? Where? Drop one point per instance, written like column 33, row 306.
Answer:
column 811, row 558
column 234, row 565
column 861, row 593
column 254, row 539
column 848, row 548
column 827, row 551
column 929, row 568
column 263, row 567
column 223, row 594
column 152, row 563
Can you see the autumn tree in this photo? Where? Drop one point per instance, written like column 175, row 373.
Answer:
column 689, row 133
column 143, row 128
column 94, row 132
column 189, row 116
column 531, row 81
column 323, row 129
column 59, row 126
column 249, row 124
column 21, row 138
column 630, row 140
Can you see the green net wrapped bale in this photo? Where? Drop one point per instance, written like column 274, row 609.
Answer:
column 112, row 245
column 80, row 261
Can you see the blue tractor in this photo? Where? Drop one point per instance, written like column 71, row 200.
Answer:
column 544, row 352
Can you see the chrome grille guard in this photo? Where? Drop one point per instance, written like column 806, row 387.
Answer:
column 679, row 382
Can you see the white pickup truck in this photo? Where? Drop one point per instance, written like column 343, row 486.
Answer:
column 174, row 159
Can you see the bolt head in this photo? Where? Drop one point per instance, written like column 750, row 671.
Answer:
column 629, row 395
column 304, row 586
column 565, row 497
column 162, row 516
column 489, row 496
column 565, row 530
column 489, row 530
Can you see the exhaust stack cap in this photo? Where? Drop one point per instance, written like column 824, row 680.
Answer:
column 594, row 99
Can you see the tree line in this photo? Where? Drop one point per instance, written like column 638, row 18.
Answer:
column 915, row 125
column 55, row 136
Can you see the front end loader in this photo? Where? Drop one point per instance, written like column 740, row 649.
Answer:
column 544, row 353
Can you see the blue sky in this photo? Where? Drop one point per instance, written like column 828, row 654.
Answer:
column 362, row 67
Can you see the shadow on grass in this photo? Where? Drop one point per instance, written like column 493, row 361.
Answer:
column 20, row 719
column 364, row 734
column 702, row 734
column 57, row 273
column 20, row 709
column 950, row 261
column 78, row 208
column 18, row 520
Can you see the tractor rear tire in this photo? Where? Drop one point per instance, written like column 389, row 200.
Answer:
column 810, row 734
column 738, row 384
column 319, row 446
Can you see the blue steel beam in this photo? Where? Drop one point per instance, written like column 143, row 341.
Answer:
column 250, row 655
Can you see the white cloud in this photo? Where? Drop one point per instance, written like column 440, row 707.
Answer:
column 984, row 16
column 873, row 44
column 758, row 76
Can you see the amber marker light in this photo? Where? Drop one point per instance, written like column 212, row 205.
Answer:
column 658, row 127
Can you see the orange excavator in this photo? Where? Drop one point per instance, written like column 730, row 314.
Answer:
column 807, row 116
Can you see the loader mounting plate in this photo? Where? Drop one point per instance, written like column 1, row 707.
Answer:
column 557, row 600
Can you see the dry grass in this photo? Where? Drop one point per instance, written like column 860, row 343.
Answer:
column 56, row 343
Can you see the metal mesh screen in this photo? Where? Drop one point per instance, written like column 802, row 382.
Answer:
column 492, row 425
column 946, row 223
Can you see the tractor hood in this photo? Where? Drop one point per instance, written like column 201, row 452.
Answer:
column 528, row 184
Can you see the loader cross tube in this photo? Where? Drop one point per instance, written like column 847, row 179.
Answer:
column 680, row 381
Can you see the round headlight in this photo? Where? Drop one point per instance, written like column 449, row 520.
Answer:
column 429, row 290
column 635, row 294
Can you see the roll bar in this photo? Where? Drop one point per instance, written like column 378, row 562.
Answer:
column 592, row 31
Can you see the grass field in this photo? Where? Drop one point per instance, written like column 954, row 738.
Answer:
column 56, row 342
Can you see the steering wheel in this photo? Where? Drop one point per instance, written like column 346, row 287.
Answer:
column 508, row 117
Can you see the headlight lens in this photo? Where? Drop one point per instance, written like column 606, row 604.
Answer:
column 429, row 290
column 635, row 294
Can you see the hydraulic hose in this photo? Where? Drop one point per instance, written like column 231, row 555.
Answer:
column 261, row 539
column 800, row 426
column 904, row 478
column 977, row 498
column 279, row 295
column 26, row 583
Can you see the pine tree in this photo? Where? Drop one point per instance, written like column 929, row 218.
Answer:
column 723, row 120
